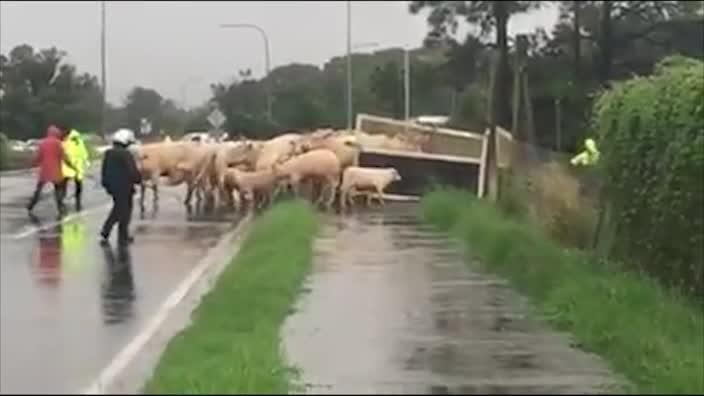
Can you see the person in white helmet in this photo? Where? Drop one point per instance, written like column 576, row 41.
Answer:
column 119, row 175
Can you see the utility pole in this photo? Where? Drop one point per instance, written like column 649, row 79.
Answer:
column 103, row 76
column 407, row 88
column 267, row 60
column 349, row 65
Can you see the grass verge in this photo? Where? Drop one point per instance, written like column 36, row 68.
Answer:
column 653, row 336
column 233, row 344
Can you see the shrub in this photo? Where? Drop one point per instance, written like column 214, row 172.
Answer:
column 652, row 142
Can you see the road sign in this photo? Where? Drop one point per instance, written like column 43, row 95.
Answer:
column 216, row 119
column 145, row 127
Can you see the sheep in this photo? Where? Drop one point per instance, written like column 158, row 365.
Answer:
column 252, row 184
column 317, row 164
column 356, row 178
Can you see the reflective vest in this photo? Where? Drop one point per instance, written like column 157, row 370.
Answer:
column 588, row 157
column 75, row 149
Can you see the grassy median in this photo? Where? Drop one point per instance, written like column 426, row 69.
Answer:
column 233, row 344
column 652, row 336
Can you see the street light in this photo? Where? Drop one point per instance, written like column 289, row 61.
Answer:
column 102, row 71
column 183, row 89
column 407, row 81
column 349, row 65
column 267, row 58
column 406, row 88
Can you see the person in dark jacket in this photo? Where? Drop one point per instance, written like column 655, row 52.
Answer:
column 119, row 175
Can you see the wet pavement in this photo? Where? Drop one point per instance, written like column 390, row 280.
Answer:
column 391, row 307
column 67, row 305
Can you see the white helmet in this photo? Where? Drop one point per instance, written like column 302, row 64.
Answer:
column 123, row 136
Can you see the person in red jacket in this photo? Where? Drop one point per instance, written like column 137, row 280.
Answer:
column 50, row 155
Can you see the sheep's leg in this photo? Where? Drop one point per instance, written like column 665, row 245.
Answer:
column 344, row 194
column 142, row 190
column 380, row 195
column 321, row 196
column 352, row 195
column 333, row 183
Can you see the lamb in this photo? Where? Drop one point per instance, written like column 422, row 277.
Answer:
column 252, row 184
column 357, row 178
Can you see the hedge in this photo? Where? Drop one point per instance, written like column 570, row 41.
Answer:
column 651, row 135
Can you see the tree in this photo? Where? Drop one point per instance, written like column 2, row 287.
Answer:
column 387, row 87
column 489, row 16
column 144, row 103
column 39, row 89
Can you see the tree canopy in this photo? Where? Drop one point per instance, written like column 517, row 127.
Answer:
column 593, row 44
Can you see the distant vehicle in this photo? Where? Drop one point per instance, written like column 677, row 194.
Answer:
column 197, row 137
column 432, row 120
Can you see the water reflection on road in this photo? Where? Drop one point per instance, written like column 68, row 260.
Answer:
column 393, row 308
column 118, row 291
column 67, row 305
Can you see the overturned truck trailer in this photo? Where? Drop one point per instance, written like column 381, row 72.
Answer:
column 451, row 158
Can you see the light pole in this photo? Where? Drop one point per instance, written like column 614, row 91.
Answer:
column 183, row 89
column 103, row 76
column 406, row 88
column 267, row 58
column 349, row 65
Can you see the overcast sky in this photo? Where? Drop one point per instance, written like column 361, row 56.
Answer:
column 177, row 46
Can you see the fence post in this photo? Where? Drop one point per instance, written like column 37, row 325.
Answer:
column 490, row 164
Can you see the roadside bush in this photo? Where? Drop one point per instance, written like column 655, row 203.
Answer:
column 652, row 142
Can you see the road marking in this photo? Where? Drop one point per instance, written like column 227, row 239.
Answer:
column 43, row 227
column 133, row 348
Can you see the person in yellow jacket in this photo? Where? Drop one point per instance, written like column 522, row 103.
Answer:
column 76, row 150
column 589, row 156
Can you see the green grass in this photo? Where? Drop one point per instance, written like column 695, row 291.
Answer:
column 233, row 345
column 652, row 336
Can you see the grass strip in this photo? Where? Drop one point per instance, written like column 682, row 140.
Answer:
column 233, row 343
column 653, row 336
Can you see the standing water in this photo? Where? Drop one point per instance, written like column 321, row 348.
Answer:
column 393, row 308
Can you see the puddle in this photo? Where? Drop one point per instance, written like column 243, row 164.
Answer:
column 393, row 308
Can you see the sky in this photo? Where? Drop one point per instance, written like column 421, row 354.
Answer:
column 178, row 47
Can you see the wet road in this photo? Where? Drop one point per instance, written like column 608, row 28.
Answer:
column 392, row 308
column 67, row 305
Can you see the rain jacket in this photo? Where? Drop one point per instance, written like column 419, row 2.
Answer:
column 589, row 156
column 50, row 154
column 75, row 149
column 119, row 172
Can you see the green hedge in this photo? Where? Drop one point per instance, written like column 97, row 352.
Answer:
column 651, row 134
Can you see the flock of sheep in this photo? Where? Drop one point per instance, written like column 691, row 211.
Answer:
column 252, row 173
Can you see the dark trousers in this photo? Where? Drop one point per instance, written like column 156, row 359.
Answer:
column 58, row 195
column 121, row 214
column 79, row 190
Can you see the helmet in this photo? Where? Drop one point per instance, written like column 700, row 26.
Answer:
column 123, row 136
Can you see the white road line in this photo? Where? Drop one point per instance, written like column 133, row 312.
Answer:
column 122, row 359
column 35, row 229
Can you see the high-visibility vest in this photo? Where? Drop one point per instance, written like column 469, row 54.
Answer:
column 589, row 156
column 77, row 153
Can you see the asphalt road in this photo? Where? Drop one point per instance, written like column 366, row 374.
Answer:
column 67, row 305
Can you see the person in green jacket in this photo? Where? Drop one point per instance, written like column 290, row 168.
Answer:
column 589, row 156
column 77, row 153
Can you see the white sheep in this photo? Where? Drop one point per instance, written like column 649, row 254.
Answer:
column 356, row 178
